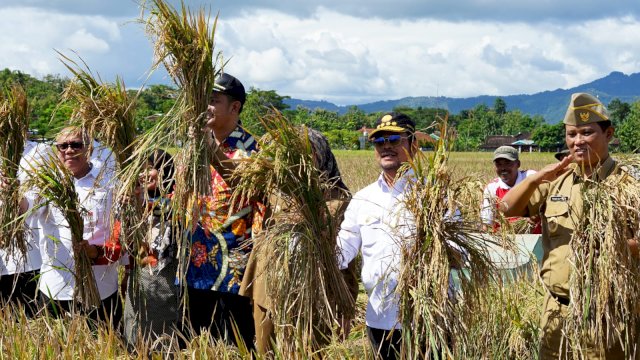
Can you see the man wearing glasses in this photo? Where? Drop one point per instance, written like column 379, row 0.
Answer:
column 95, row 192
column 375, row 223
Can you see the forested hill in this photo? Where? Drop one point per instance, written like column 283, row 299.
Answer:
column 549, row 104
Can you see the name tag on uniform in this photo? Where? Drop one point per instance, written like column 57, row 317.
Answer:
column 559, row 198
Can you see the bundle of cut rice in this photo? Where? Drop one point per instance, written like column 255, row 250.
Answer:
column 184, row 43
column 445, row 238
column 14, row 123
column 604, row 287
column 307, row 290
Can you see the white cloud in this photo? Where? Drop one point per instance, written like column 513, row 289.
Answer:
column 82, row 41
column 344, row 58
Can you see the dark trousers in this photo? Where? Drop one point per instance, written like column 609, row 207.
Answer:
column 20, row 289
column 110, row 310
column 219, row 312
column 385, row 343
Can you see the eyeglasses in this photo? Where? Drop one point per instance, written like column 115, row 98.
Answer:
column 74, row 145
column 393, row 140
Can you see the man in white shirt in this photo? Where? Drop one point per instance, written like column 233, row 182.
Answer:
column 376, row 223
column 506, row 162
column 95, row 192
column 18, row 273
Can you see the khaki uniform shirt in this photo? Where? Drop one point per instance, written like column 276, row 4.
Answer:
column 559, row 204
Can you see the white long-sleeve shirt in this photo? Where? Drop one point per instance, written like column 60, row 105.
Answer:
column 377, row 223
column 33, row 154
column 56, row 275
column 16, row 263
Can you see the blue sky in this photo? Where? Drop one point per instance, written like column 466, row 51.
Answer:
column 348, row 52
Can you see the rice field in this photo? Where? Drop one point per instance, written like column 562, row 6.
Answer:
column 359, row 168
column 505, row 327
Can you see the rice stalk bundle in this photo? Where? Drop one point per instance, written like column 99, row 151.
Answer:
column 307, row 289
column 107, row 112
column 14, row 123
column 604, row 287
column 184, row 43
column 55, row 187
column 445, row 238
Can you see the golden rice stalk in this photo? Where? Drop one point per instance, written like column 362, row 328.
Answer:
column 604, row 287
column 307, row 289
column 107, row 112
column 184, row 43
column 14, row 123
column 445, row 238
column 55, row 187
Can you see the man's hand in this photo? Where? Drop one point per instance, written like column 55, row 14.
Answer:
column 634, row 247
column 552, row 171
column 91, row 250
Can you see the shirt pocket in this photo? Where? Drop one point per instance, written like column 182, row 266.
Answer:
column 557, row 216
column 97, row 210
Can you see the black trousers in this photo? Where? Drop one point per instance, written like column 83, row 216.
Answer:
column 385, row 343
column 219, row 312
column 20, row 289
column 110, row 310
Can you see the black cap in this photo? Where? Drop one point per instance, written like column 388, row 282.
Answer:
column 229, row 85
column 394, row 122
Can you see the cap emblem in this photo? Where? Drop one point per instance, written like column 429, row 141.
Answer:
column 584, row 116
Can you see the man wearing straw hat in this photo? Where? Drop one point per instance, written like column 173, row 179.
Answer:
column 554, row 193
column 222, row 241
column 372, row 221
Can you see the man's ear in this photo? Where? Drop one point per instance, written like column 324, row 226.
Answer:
column 235, row 106
column 609, row 132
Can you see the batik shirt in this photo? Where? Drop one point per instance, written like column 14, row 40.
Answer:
column 221, row 244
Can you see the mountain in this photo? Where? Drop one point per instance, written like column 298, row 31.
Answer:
column 550, row 104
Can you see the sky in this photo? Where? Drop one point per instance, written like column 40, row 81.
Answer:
column 347, row 51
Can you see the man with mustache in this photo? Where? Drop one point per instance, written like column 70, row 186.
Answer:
column 506, row 162
column 375, row 223
column 554, row 193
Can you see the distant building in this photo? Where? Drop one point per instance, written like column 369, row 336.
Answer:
column 522, row 142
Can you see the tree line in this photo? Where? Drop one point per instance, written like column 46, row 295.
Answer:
column 472, row 126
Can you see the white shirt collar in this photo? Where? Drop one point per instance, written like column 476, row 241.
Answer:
column 521, row 175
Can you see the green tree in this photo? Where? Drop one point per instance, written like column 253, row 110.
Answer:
column 618, row 111
column 629, row 132
column 549, row 137
column 259, row 104
column 500, row 106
